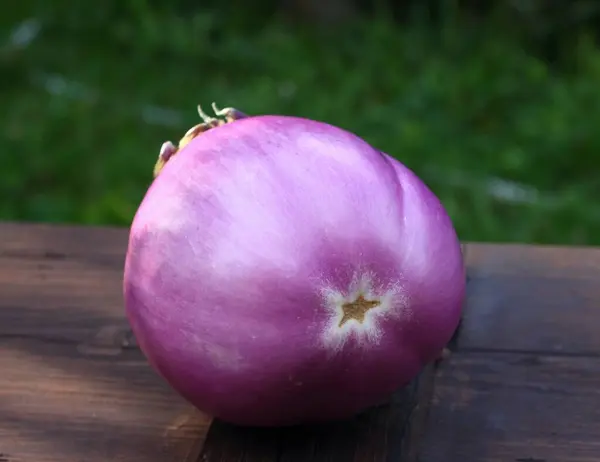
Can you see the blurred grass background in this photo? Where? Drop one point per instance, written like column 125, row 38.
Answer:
column 496, row 108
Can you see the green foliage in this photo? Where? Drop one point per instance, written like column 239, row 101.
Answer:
column 88, row 103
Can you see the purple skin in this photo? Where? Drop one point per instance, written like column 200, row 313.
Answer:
column 253, row 256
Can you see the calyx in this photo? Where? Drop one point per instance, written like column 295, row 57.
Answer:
column 223, row 117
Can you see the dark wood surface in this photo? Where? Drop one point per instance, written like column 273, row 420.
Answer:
column 522, row 384
column 72, row 385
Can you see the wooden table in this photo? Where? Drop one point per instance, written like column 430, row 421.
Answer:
column 522, row 384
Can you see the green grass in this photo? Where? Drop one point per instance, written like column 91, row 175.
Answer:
column 508, row 144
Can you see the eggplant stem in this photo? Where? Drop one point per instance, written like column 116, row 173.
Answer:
column 205, row 117
column 168, row 149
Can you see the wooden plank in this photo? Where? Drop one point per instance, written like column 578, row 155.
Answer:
column 517, row 407
column 58, row 404
column 384, row 433
column 73, row 386
column 524, row 298
column 61, row 282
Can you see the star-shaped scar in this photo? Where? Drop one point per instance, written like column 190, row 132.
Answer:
column 357, row 309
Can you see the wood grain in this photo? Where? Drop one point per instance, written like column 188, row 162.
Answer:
column 73, row 386
column 514, row 407
column 60, row 282
column 526, row 298
column 58, row 405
